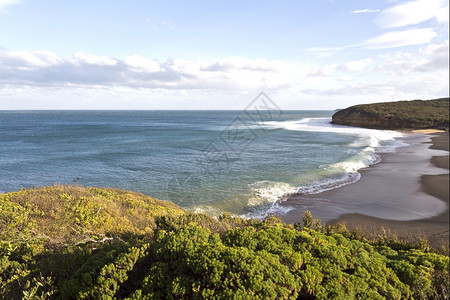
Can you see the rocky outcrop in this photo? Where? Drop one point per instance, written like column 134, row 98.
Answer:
column 355, row 117
column 415, row 114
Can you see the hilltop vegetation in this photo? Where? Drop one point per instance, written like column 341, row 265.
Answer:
column 65, row 214
column 416, row 114
column 67, row 242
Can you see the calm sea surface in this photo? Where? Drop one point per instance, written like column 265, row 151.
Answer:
column 202, row 160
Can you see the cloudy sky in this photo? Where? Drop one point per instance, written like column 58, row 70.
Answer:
column 199, row 54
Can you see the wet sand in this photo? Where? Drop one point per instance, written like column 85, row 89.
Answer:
column 407, row 194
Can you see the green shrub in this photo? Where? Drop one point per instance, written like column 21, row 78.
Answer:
column 195, row 256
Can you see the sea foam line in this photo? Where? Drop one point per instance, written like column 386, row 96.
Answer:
column 268, row 195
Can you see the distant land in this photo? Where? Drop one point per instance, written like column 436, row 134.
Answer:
column 415, row 114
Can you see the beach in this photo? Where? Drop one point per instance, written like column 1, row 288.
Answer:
column 406, row 194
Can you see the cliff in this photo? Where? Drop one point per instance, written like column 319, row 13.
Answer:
column 416, row 114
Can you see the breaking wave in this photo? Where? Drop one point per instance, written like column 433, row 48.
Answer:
column 267, row 195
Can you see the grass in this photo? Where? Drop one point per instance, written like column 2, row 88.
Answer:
column 68, row 214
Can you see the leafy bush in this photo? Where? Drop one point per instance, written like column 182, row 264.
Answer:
column 103, row 273
column 195, row 256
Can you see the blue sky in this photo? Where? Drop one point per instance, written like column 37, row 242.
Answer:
column 316, row 54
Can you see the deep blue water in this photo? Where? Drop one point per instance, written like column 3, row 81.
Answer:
column 201, row 160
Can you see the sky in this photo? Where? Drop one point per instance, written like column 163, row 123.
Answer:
column 198, row 54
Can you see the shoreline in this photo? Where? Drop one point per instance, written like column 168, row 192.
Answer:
column 406, row 194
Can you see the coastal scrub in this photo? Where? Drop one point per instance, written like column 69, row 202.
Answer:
column 168, row 253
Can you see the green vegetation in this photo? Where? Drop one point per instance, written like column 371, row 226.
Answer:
column 416, row 114
column 66, row 214
column 56, row 243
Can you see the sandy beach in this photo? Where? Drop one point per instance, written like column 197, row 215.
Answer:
column 407, row 194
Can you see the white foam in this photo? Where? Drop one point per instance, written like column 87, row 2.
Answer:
column 391, row 146
column 266, row 197
column 324, row 125
column 323, row 185
column 206, row 209
column 263, row 200
column 336, row 175
column 341, row 173
column 366, row 137
column 264, row 192
column 263, row 212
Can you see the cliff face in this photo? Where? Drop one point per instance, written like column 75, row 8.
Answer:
column 354, row 117
column 415, row 114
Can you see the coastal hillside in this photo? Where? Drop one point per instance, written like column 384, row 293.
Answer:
column 416, row 114
column 65, row 214
column 70, row 242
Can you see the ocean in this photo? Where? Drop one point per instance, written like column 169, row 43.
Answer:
column 242, row 162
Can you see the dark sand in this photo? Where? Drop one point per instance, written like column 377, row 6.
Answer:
column 407, row 194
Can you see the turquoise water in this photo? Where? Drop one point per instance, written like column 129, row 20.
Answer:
column 244, row 163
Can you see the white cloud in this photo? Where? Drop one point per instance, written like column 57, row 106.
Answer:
column 326, row 52
column 413, row 12
column 423, row 74
column 237, row 62
column 432, row 58
column 356, row 65
column 399, row 15
column 141, row 64
column 324, row 71
column 42, row 74
column 388, row 89
column 363, row 11
column 346, row 78
column 82, row 58
column 28, row 60
column 5, row 3
column 386, row 40
column 401, row 38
